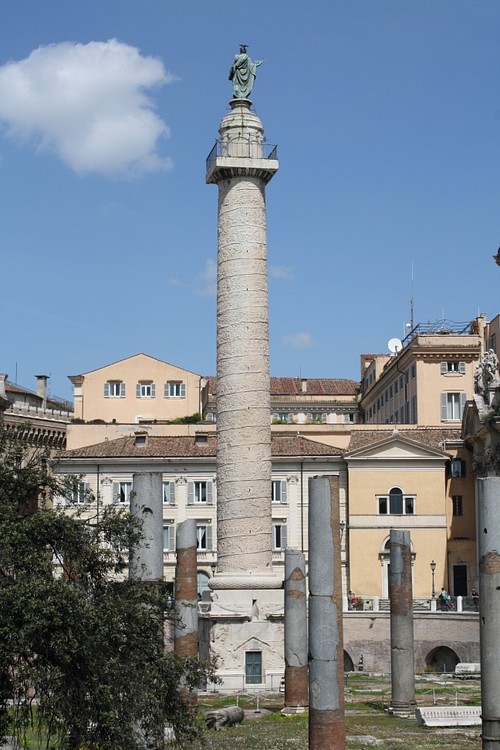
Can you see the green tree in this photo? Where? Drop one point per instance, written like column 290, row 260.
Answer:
column 82, row 659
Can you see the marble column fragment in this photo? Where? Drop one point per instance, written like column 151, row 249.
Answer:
column 488, row 504
column 402, row 640
column 146, row 559
column 296, row 656
column 326, row 714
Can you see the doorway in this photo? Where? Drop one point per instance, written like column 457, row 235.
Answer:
column 460, row 580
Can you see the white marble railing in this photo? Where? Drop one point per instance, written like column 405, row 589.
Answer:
column 459, row 604
column 38, row 411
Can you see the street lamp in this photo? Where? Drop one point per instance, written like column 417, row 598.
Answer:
column 433, row 568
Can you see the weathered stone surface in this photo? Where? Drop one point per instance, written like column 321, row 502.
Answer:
column 224, row 717
column 449, row 716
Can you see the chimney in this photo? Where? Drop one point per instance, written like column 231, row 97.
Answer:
column 41, row 388
column 304, row 385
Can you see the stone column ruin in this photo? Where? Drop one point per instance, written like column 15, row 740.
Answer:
column 296, row 651
column 326, row 654
column 402, row 639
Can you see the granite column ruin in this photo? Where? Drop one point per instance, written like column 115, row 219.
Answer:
column 296, row 651
column 326, row 667
column 146, row 504
column 488, row 504
column 186, row 599
column 402, row 640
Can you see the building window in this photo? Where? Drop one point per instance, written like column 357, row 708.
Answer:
column 145, row 389
column 253, row 667
column 204, row 537
column 414, row 409
column 169, row 493
column 279, row 536
column 413, row 371
column 452, row 366
column 396, row 503
column 279, row 488
column 349, row 418
column 200, row 492
column 122, row 492
column 114, row 389
column 452, row 406
column 457, row 505
column 79, row 493
column 314, row 418
column 456, row 468
column 283, row 416
column 169, row 538
column 174, row 389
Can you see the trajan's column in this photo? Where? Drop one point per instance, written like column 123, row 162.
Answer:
column 241, row 164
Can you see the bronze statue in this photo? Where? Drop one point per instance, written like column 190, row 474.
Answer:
column 243, row 73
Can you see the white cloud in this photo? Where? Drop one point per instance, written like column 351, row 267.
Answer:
column 208, row 280
column 282, row 272
column 299, row 340
column 88, row 104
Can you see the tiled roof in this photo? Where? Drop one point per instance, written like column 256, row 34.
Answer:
column 285, row 444
column 315, row 386
column 432, row 437
column 14, row 388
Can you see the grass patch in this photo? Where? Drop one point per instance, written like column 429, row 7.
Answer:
column 367, row 724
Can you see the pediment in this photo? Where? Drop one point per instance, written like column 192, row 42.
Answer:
column 253, row 644
column 396, row 448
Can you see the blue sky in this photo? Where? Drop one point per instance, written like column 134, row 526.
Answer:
column 387, row 118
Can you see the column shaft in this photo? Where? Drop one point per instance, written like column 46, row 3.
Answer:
column 402, row 645
column 488, row 504
column 326, row 715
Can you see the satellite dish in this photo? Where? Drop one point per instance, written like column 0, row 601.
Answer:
column 395, row 345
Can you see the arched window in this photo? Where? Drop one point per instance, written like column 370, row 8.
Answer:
column 202, row 581
column 396, row 503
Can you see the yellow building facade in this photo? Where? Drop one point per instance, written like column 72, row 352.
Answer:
column 137, row 389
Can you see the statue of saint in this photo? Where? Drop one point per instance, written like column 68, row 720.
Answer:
column 486, row 374
column 243, row 73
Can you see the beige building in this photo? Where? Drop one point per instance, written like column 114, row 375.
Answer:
column 188, row 465
column 417, row 477
column 137, row 389
column 41, row 419
column 302, row 401
column 419, row 480
column 428, row 378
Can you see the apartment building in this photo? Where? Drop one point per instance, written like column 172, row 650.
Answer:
column 137, row 389
column 188, row 466
column 428, row 377
column 41, row 419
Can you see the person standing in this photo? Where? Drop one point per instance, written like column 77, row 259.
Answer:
column 475, row 599
column 444, row 600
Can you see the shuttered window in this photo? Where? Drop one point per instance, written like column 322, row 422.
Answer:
column 279, row 491
column 204, row 537
column 169, row 493
column 169, row 538
column 200, row 492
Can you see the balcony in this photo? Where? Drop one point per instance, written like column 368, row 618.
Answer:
column 241, row 157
